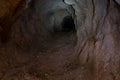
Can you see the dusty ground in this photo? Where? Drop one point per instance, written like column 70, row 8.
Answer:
column 55, row 61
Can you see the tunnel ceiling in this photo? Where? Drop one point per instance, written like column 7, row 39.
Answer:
column 54, row 12
column 50, row 13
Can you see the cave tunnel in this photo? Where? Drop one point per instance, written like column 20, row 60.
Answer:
column 68, row 24
column 59, row 40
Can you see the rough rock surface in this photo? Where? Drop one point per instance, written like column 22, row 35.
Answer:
column 98, row 43
column 9, row 11
column 35, row 52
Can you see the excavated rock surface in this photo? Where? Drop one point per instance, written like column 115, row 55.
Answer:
column 9, row 11
column 34, row 53
column 55, row 61
column 98, row 39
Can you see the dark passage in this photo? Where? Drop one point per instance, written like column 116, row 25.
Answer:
column 68, row 24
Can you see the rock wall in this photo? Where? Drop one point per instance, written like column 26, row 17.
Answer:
column 96, row 23
column 98, row 38
column 9, row 11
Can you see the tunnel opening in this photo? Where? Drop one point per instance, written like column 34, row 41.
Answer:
column 68, row 24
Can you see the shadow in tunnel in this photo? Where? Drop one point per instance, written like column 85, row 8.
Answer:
column 68, row 24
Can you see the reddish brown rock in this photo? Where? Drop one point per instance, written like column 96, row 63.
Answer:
column 9, row 11
column 92, row 52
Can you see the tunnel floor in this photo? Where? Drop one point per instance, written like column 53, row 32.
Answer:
column 53, row 62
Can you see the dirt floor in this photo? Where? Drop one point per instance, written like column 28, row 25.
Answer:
column 55, row 61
